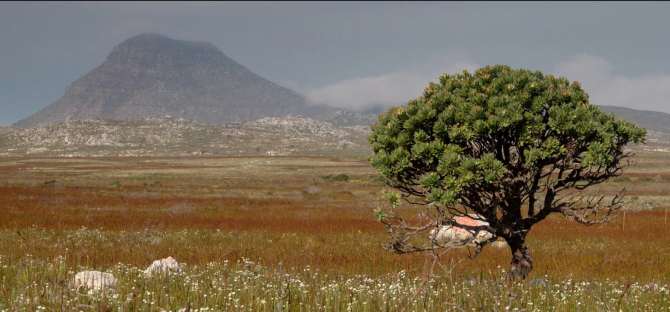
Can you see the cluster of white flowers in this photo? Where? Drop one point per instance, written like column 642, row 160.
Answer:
column 248, row 285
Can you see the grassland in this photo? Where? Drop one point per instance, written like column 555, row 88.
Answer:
column 279, row 233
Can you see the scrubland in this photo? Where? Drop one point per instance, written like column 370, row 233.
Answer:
column 286, row 234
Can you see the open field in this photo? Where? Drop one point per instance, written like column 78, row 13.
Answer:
column 270, row 233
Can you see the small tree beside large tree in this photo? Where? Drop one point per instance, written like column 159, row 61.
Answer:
column 508, row 146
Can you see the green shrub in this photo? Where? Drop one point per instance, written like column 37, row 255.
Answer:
column 620, row 179
column 378, row 178
column 645, row 179
column 335, row 178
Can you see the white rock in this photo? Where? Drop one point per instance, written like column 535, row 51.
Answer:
column 458, row 234
column 94, row 281
column 166, row 265
column 499, row 244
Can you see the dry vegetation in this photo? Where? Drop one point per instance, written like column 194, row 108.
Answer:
column 275, row 235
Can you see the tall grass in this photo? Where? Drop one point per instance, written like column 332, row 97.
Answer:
column 246, row 285
column 276, row 239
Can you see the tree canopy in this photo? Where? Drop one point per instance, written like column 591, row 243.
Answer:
column 510, row 145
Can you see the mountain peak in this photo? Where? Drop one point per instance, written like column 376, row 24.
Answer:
column 158, row 47
column 149, row 36
column 155, row 39
column 150, row 74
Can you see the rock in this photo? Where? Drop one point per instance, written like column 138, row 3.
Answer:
column 94, row 281
column 163, row 266
column 458, row 234
column 499, row 244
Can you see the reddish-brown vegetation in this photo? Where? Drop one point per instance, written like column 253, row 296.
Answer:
column 279, row 210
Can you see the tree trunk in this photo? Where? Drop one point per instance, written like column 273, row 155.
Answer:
column 522, row 263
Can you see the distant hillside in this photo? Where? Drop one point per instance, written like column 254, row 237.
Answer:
column 345, row 118
column 654, row 121
column 153, row 75
column 160, row 136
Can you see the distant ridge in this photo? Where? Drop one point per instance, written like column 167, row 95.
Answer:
column 651, row 120
column 153, row 75
column 162, row 136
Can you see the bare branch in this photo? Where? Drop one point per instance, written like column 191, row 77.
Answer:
column 592, row 206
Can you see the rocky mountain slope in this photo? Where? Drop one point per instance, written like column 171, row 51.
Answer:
column 153, row 75
column 160, row 136
column 345, row 118
column 169, row 136
column 654, row 121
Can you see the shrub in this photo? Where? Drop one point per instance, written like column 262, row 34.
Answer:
column 620, row 179
column 335, row 178
column 487, row 142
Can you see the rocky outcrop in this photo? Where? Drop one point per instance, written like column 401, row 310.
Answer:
column 161, row 136
column 345, row 118
column 296, row 125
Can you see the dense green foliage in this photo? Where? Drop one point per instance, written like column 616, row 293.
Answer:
column 457, row 134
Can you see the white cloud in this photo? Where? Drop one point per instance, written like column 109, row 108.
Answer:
column 649, row 92
column 597, row 76
column 395, row 88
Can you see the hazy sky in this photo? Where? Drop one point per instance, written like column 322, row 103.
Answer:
column 350, row 54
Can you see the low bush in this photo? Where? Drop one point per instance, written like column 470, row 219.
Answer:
column 620, row 179
column 335, row 178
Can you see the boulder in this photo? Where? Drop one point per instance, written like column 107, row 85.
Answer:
column 458, row 234
column 94, row 281
column 163, row 266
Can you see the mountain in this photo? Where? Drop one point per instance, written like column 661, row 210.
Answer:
column 153, row 75
column 654, row 121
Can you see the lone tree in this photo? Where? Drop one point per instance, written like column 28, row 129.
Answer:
column 508, row 146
